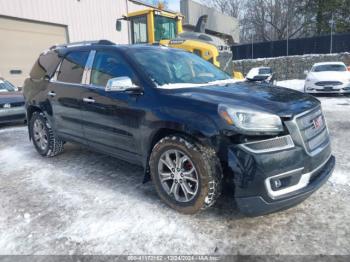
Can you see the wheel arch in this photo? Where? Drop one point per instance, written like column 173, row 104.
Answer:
column 194, row 135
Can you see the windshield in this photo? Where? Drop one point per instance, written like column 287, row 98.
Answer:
column 172, row 66
column 330, row 67
column 165, row 28
column 6, row 86
column 265, row 71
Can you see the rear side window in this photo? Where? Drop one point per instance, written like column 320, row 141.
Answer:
column 109, row 65
column 72, row 67
column 46, row 65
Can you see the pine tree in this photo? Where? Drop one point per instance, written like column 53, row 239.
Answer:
column 322, row 11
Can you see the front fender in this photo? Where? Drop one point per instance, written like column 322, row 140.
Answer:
column 192, row 122
column 171, row 121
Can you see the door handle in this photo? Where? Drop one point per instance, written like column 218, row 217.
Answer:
column 51, row 93
column 88, row 100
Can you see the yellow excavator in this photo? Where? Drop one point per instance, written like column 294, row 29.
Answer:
column 157, row 26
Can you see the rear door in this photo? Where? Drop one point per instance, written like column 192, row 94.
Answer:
column 111, row 119
column 64, row 93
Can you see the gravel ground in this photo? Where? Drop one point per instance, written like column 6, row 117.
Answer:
column 82, row 202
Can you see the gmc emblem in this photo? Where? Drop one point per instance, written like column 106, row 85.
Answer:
column 317, row 122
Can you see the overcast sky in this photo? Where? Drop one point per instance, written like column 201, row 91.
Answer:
column 174, row 5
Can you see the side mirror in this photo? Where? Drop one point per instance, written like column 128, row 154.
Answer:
column 306, row 72
column 118, row 25
column 121, row 84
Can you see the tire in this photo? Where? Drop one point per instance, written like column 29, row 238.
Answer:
column 207, row 172
column 52, row 144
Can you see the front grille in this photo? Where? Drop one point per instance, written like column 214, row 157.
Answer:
column 270, row 145
column 17, row 104
column 329, row 83
column 12, row 118
column 313, row 130
column 14, row 104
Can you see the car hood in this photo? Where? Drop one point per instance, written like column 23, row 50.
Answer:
column 329, row 76
column 276, row 100
column 11, row 97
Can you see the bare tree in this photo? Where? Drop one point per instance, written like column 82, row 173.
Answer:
column 274, row 19
column 266, row 20
column 228, row 7
column 158, row 2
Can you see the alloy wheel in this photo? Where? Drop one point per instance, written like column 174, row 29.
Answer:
column 40, row 134
column 178, row 175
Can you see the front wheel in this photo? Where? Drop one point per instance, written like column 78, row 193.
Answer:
column 186, row 176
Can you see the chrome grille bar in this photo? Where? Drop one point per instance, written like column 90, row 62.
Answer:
column 313, row 130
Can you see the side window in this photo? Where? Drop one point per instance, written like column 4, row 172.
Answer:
column 139, row 27
column 72, row 67
column 109, row 65
column 46, row 65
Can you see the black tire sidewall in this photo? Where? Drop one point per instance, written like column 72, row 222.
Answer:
column 40, row 117
column 197, row 202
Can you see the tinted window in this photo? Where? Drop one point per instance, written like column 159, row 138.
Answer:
column 330, row 67
column 72, row 67
column 109, row 65
column 46, row 65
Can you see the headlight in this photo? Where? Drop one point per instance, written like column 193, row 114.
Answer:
column 250, row 120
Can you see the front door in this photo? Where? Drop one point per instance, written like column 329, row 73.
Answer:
column 111, row 120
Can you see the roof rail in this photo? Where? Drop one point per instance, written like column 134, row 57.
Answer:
column 83, row 43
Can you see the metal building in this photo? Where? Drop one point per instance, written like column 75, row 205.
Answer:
column 29, row 27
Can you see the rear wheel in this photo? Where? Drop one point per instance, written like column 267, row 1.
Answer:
column 44, row 139
column 187, row 176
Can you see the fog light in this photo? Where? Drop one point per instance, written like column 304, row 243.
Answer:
column 276, row 183
column 281, row 182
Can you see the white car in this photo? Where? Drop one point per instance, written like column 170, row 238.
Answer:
column 329, row 77
column 261, row 74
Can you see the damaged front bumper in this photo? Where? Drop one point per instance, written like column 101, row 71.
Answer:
column 272, row 180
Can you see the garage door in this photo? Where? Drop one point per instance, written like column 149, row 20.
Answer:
column 21, row 42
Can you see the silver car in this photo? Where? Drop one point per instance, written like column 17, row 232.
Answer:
column 11, row 103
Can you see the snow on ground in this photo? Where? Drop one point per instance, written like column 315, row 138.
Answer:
column 82, row 202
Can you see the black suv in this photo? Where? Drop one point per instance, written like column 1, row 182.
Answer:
column 186, row 122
